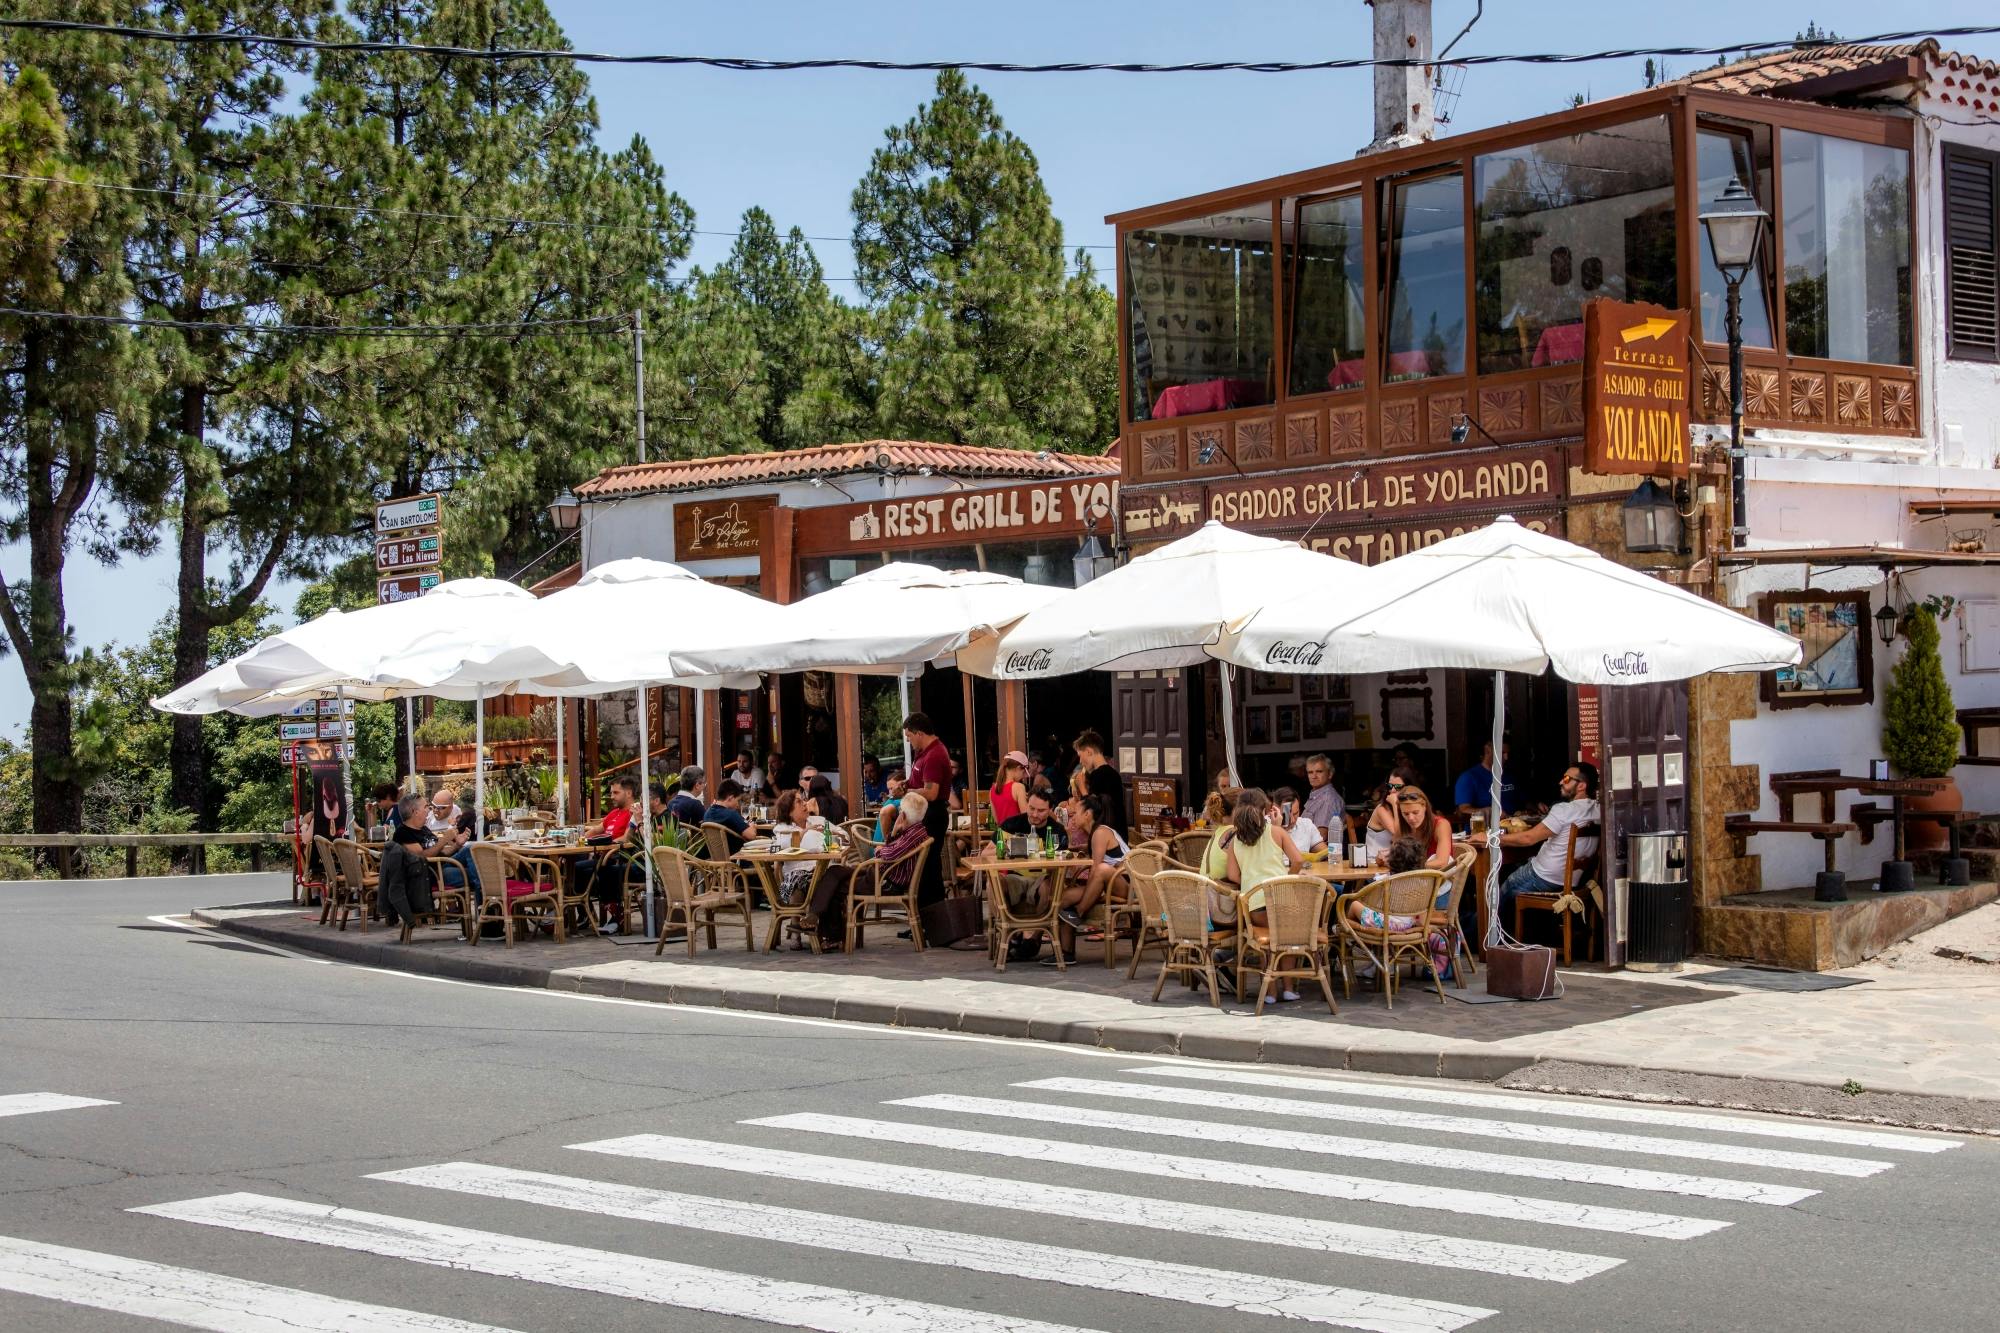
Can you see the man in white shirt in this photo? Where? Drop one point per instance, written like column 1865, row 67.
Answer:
column 1551, row 839
column 1286, row 813
column 748, row 776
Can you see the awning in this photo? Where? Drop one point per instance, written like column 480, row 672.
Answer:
column 1876, row 557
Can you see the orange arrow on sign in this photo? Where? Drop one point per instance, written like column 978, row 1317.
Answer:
column 1652, row 328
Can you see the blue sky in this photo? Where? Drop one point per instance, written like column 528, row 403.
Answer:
column 797, row 143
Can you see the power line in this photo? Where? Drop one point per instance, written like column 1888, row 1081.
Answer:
column 616, row 324
column 363, row 46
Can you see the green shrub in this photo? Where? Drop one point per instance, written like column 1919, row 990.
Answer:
column 1919, row 724
column 436, row 730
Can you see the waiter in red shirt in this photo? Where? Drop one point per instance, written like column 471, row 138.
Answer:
column 930, row 774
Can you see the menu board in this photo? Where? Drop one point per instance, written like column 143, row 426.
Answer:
column 1158, row 803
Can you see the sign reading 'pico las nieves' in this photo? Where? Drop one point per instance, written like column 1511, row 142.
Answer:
column 1635, row 388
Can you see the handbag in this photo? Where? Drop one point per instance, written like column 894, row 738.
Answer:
column 949, row 920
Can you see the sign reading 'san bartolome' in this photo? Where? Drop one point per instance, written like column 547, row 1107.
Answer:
column 1635, row 388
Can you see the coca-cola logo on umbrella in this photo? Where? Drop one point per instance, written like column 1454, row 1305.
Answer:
column 1308, row 654
column 1038, row 660
column 1621, row 665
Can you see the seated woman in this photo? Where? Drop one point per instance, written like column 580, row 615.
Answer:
column 1383, row 815
column 1416, row 819
column 1405, row 855
column 791, row 820
column 1252, row 849
column 827, row 911
column 824, row 801
column 1107, row 853
column 1008, row 795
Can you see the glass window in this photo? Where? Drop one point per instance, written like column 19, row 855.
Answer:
column 1324, row 248
column 1847, row 249
column 1721, row 156
column 1565, row 221
column 1424, row 334
column 1201, row 299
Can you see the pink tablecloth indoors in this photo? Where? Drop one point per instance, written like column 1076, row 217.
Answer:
column 1207, row 396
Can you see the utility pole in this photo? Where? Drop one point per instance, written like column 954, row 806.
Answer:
column 639, row 376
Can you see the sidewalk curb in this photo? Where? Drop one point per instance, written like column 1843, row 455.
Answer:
column 1154, row 1037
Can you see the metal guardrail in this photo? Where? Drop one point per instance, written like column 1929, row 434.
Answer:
column 66, row 845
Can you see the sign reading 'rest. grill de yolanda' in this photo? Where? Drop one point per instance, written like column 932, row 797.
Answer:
column 1635, row 388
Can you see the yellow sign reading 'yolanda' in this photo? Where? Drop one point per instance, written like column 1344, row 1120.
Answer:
column 1635, row 388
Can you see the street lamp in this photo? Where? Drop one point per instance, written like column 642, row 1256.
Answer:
column 1885, row 621
column 1652, row 520
column 566, row 511
column 1091, row 559
column 1735, row 226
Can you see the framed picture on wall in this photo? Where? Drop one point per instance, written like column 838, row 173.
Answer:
column 1406, row 715
column 1268, row 683
column 1257, row 725
column 1339, row 687
column 1311, row 688
column 1339, row 717
column 1288, row 724
column 1312, row 721
column 1837, row 636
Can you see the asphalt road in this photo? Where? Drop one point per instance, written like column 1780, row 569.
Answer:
column 567, row 1163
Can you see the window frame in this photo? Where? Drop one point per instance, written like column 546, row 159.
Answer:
column 1386, row 188
column 1947, row 150
column 1358, row 191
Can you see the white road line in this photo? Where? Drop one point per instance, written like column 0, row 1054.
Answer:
column 1379, row 1150
column 1316, row 1184
column 1249, row 1293
column 1543, row 1135
column 31, row 1103
column 1100, row 1206
column 1582, row 1110
column 630, row 1276
column 195, row 1299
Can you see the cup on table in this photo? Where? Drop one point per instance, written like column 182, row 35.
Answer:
column 1478, row 825
column 792, row 838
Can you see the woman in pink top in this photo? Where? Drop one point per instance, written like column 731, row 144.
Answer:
column 1009, row 793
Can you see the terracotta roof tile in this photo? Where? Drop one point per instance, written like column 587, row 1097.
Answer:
column 838, row 460
column 1782, row 69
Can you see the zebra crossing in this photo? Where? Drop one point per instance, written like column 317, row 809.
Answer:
column 1329, row 1199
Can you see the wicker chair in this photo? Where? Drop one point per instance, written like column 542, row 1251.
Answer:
column 540, row 901
column 1191, row 846
column 695, row 890
column 885, row 896
column 356, row 892
column 329, row 875
column 861, row 839
column 1141, row 865
column 1190, row 938
column 1460, row 871
column 1293, row 944
column 721, row 842
column 450, row 905
column 1412, row 895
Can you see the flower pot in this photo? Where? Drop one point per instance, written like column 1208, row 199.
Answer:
column 1922, row 835
column 446, row 758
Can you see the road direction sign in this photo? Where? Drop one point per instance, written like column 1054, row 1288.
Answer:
column 298, row 731
column 335, row 729
column 393, row 555
column 406, row 515
column 405, row 586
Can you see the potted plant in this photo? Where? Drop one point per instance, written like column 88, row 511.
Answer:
column 444, row 744
column 1920, row 732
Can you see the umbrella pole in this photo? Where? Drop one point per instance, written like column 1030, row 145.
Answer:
column 645, row 815
column 903, row 694
column 410, row 733
column 346, row 769
column 562, row 790
column 1495, row 933
column 1229, row 724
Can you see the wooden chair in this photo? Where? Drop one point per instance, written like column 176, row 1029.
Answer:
column 1460, row 871
column 1004, row 924
column 1293, row 943
column 694, row 891
column 1191, row 939
column 1189, row 847
column 536, row 900
column 1142, row 864
column 1566, row 901
column 1410, row 895
column 356, row 893
column 329, row 875
column 885, row 896
column 451, row 903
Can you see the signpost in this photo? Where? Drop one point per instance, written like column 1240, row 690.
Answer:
column 406, row 515
column 1635, row 389
column 409, row 548
column 393, row 555
column 403, row 587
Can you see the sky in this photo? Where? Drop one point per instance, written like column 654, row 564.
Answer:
column 796, row 143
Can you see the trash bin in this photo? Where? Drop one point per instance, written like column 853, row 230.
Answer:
column 1660, row 900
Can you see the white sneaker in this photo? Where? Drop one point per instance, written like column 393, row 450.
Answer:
column 1289, row 995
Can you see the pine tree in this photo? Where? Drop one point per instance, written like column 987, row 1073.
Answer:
column 1919, row 725
column 985, row 337
column 794, row 320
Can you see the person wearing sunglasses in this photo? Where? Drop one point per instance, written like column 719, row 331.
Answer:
column 1383, row 816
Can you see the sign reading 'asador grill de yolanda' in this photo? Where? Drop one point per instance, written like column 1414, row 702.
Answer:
column 1635, row 389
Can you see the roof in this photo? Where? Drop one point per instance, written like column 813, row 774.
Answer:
column 1879, row 557
column 1814, row 71
column 839, row 460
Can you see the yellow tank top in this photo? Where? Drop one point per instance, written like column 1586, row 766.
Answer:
column 1255, row 863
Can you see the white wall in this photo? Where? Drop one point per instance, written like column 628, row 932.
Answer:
column 1962, row 413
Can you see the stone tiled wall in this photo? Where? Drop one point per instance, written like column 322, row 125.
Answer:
column 1722, row 787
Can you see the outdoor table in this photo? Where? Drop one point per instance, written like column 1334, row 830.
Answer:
column 1897, row 789
column 770, row 863
column 1002, row 923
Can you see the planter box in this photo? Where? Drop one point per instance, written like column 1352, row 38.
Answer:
column 518, row 752
column 445, row 758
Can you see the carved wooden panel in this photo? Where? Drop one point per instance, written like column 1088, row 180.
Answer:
column 1503, row 410
column 1399, row 424
column 1256, row 441
column 1853, row 401
column 1808, row 396
column 1207, row 446
column 1897, row 401
column 1760, row 393
column 1159, row 451
column 1444, row 409
column 1715, row 392
column 1562, row 404
column 1347, row 430
column 1302, row 435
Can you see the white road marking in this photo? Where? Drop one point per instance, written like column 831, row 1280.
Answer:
column 1316, row 1184
column 194, row 1299
column 1582, row 1110
column 782, row 1227
column 33, row 1103
column 1104, row 1207
column 1354, row 1113
column 629, row 1276
column 1380, row 1150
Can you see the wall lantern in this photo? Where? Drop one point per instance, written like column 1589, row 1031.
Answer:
column 1885, row 622
column 566, row 512
column 1652, row 520
column 1091, row 559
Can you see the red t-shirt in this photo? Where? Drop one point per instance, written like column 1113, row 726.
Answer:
column 933, row 766
column 616, row 822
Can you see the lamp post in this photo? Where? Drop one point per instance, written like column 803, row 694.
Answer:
column 1735, row 226
column 565, row 512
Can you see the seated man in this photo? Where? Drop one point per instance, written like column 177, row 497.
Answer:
column 687, row 807
column 1551, row 839
column 873, row 789
column 1025, row 893
column 827, row 910
column 1323, row 804
column 452, row 828
column 404, row 890
column 725, row 811
column 602, row 876
column 1286, row 813
column 1473, row 792
column 1107, row 853
column 885, row 818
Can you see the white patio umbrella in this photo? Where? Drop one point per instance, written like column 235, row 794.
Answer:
column 1166, row 608
column 1506, row 598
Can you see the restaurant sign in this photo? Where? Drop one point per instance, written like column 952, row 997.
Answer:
column 1000, row 513
column 720, row 529
column 1635, row 389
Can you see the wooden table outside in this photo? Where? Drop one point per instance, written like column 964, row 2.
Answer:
column 1002, row 924
column 770, row 863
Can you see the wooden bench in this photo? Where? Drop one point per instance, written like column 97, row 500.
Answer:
column 1742, row 827
column 64, row 846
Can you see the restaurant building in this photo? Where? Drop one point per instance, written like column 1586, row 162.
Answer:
column 1375, row 354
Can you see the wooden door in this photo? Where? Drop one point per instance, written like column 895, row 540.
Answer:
column 1644, row 771
column 1149, row 742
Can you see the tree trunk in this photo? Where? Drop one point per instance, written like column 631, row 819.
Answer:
column 187, row 755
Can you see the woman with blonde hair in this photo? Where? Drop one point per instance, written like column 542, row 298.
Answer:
column 1252, row 849
column 1417, row 820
